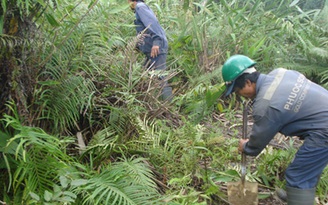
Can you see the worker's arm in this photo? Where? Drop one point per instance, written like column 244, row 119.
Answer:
column 263, row 131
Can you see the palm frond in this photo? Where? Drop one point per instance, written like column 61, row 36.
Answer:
column 137, row 169
column 320, row 53
column 124, row 183
column 63, row 102
column 103, row 146
column 38, row 157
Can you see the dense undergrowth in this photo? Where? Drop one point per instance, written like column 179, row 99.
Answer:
column 82, row 122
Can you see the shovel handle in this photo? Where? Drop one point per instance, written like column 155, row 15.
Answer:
column 244, row 135
column 245, row 112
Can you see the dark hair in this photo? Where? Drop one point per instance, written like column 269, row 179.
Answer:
column 139, row 0
column 241, row 80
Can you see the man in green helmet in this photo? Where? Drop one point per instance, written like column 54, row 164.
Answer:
column 284, row 101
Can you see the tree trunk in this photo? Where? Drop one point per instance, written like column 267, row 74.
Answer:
column 17, row 71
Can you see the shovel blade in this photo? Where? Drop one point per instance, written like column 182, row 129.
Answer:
column 243, row 195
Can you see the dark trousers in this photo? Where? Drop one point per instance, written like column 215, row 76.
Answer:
column 159, row 63
column 309, row 162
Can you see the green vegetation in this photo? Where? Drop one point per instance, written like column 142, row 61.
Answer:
column 80, row 119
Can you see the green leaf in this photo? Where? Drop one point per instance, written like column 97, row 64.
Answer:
column 220, row 107
column 1, row 25
column 34, row 196
column 294, row 3
column 117, row 9
column 63, row 181
column 47, row 195
column 3, row 141
column 49, row 82
column 70, row 194
column 185, row 5
column 4, row 6
column 265, row 180
column 79, row 182
column 42, row 2
column 264, row 196
column 227, row 176
column 66, row 199
column 52, row 20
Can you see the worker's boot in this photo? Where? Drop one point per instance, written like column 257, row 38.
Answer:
column 297, row 196
column 282, row 194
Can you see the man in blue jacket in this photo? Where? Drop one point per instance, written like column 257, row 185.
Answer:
column 153, row 42
column 284, row 101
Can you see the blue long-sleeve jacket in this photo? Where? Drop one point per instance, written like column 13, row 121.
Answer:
column 288, row 103
column 155, row 34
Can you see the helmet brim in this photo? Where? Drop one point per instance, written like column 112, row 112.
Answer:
column 229, row 88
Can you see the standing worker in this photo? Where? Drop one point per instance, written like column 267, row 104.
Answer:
column 284, row 101
column 153, row 42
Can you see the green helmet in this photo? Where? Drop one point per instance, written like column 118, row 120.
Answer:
column 233, row 68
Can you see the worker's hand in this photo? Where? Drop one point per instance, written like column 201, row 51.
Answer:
column 241, row 144
column 154, row 51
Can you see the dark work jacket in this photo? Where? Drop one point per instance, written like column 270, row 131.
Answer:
column 154, row 35
column 288, row 103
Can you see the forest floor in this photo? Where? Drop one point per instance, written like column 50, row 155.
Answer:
column 265, row 196
column 269, row 196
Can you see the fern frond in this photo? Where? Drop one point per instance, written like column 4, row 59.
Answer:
column 38, row 156
column 123, row 183
column 320, row 53
column 63, row 101
column 137, row 170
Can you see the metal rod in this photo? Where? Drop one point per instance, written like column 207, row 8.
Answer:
column 244, row 135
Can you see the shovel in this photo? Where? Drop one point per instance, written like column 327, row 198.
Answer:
column 243, row 192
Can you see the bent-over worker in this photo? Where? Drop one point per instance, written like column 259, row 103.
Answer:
column 284, row 101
